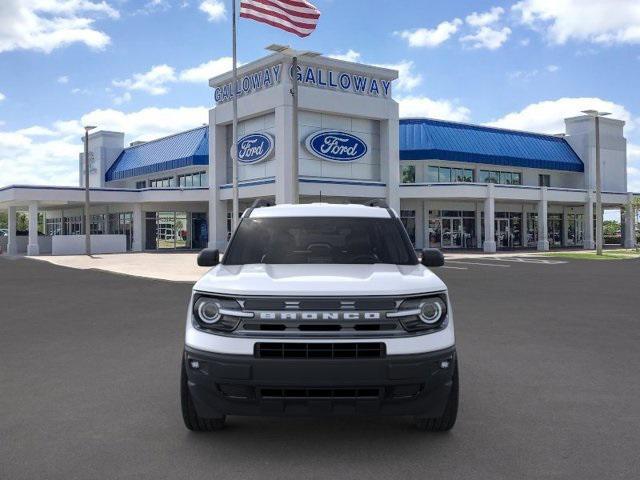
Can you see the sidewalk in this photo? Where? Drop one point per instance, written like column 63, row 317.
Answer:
column 175, row 267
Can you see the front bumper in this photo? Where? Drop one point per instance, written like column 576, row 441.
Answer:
column 224, row 384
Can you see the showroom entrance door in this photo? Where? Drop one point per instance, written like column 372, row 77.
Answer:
column 504, row 237
column 452, row 233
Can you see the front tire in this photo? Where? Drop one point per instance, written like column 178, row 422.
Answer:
column 445, row 422
column 192, row 420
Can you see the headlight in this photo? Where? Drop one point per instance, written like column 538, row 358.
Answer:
column 208, row 310
column 220, row 314
column 431, row 310
column 422, row 313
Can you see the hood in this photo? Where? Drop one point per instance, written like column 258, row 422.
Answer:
column 319, row 280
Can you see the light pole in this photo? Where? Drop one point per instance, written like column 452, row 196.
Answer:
column 295, row 146
column 87, row 217
column 596, row 114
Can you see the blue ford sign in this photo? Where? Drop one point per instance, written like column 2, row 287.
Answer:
column 255, row 147
column 336, row 146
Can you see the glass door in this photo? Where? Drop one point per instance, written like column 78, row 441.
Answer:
column 166, row 230
column 504, row 238
column 452, row 233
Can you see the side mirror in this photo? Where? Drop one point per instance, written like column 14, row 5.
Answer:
column 209, row 257
column 432, row 257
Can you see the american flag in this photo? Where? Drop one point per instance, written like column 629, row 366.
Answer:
column 294, row 16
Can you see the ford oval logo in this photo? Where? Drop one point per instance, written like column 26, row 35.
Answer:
column 336, row 146
column 255, row 147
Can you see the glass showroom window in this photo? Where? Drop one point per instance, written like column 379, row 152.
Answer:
column 97, row 224
column 141, row 184
column 162, row 182
column 447, row 174
column 53, row 226
column 198, row 179
column 408, row 174
column 408, row 218
column 504, row 178
column 544, row 180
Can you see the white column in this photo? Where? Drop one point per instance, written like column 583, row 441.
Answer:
column 218, row 209
column 629, row 224
column 425, row 219
column 478, row 225
column 589, row 242
column 489, row 245
column 543, row 240
column 390, row 159
column 284, row 155
column 32, row 246
column 138, row 219
column 12, row 246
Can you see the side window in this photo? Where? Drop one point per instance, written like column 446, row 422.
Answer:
column 408, row 174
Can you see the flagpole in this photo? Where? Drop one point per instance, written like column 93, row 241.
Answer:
column 234, row 147
column 295, row 194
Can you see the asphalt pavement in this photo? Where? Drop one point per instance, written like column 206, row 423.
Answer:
column 550, row 384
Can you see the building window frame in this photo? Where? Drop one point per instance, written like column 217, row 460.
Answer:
column 408, row 174
column 446, row 174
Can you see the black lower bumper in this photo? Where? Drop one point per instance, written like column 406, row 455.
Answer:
column 243, row 385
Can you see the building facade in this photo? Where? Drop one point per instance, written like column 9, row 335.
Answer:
column 456, row 186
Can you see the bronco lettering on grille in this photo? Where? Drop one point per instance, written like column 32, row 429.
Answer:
column 319, row 315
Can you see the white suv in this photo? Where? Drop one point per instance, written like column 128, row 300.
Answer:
column 319, row 309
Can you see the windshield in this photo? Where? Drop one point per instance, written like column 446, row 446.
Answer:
column 294, row 240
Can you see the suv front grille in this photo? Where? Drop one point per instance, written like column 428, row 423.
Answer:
column 328, row 304
column 330, row 393
column 320, row 350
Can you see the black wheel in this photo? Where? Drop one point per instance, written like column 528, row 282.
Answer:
column 448, row 418
column 192, row 420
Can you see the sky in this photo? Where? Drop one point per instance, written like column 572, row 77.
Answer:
column 141, row 66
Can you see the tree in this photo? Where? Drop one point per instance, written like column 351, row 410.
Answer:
column 3, row 220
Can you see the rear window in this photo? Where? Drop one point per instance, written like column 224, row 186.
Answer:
column 337, row 240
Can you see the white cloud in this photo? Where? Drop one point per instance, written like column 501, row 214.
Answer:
column 203, row 72
column 424, row 37
column 120, row 99
column 595, row 21
column 487, row 37
column 154, row 81
column 349, row 56
column 48, row 155
column 525, row 42
column 486, row 18
column 420, row 106
column 2, row 96
column 45, row 25
column 214, row 9
column 526, row 75
column 407, row 78
column 548, row 116
column 63, row 79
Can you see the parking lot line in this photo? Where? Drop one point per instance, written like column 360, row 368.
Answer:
column 478, row 263
column 530, row 260
column 456, row 268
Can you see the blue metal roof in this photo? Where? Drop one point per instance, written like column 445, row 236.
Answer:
column 427, row 139
column 176, row 151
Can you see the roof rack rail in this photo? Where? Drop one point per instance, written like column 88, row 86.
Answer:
column 257, row 203
column 377, row 202
column 261, row 202
column 381, row 203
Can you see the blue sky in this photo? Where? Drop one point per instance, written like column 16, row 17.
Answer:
column 141, row 66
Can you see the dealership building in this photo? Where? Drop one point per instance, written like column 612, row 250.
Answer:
column 455, row 185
